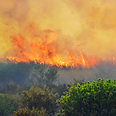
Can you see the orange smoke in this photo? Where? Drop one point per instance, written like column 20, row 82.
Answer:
column 58, row 32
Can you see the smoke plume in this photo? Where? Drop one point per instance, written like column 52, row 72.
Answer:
column 72, row 25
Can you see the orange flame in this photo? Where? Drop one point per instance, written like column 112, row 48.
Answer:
column 88, row 25
column 44, row 52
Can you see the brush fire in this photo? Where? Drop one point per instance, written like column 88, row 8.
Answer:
column 58, row 33
column 44, row 51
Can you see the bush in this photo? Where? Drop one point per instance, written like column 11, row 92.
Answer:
column 7, row 105
column 10, row 88
column 36, row 97
column 60, row 89
column 95, row 99
column 28, row 112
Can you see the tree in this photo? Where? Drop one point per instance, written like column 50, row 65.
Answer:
column 42, row 75
column 7, row 105
column 36, row 97
column 28, row 112
column 97, row 98
column 51, row 75
column 14, row 72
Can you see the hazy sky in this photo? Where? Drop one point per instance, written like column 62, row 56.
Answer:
column 89, row 26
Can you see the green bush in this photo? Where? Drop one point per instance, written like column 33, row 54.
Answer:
column 28, row 112
column 95, row 99
column 7, row 105
column 36, row 97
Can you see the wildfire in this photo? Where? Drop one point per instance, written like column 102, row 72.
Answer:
column 44, row 52
column 70, row 33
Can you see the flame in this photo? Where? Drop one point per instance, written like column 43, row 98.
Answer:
column 80, row 33
column 44, row 52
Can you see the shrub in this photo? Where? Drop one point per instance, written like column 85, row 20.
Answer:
column 17, row 97
column 10, row 88
column 36, row 97
column 60, row 89
column 95, row 99
column 28, row 112
column 7, row 105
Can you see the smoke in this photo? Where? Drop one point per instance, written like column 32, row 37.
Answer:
column 104, row 70
column 88, row 25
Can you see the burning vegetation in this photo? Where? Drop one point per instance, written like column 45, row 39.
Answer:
column 43, row 51
column 61, row 32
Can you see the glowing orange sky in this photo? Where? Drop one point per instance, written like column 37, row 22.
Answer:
column 78, row 25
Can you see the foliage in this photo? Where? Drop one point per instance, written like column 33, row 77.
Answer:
column 42, row 75
column 97, row 98
column 28, row 112
column 51, row 75
column 58, row 114
column 7, row 105
column 60, row 89
column 10, row 88
column 38, row 75
column 17, row 97
column 14, row 72
column 36, row 97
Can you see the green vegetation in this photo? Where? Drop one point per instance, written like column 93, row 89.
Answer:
column 90, row 99
column 7, row 105
column 46, row 99
column 28, row 112
column 84, row 98
column 60, row 89
column 36, row 97
column 15, row 72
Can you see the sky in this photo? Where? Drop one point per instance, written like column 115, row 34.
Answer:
column 73, row 25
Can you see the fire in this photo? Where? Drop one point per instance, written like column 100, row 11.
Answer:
column 66, row 33
column 58, row 32
column 44, row 51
